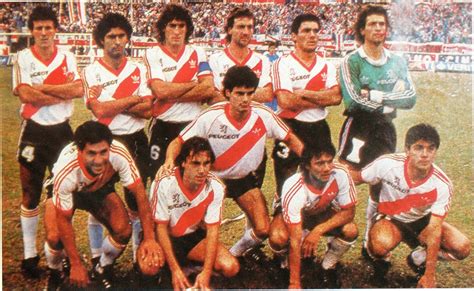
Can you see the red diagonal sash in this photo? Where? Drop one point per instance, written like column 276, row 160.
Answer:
column 328, row 196
column 241, row 147
column 125, row 89
column 410, row 201
column 192, row 215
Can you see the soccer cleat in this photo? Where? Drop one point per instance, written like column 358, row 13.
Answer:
column 55, row 280
column 381, row 268
column 419, row 270
column 365, row 254
column 331, row 279
column 94, row 262
column 103, row 276
column 30, row 268
column 66, row 266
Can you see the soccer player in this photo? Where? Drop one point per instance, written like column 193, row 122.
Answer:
column 84, row 178
column 116, row 92
column 415, row 197
column 45, row 79
column 239, row 29
column 319, row 200
column 187, row 206
column 305, row 84
column 180, row 79
column 374, row 83
column 237, row 131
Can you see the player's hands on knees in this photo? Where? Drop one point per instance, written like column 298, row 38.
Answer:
column 427, row 282
column 202, row 281
column 152, row 249
column 179, row 280
column 310, row 244
column 78, row 276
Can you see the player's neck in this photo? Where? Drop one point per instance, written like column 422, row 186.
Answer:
column 315, row 182
column 114, row 63
column 238, row 52
column 238, row 115
column 191, row 187
column 307, row 57
column 416, row 175
column 175, row 50
column 46, row 53
column 373, row 50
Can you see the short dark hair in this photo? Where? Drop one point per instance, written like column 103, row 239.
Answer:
column 42, row 13
column 238, row 12
column 91, row 132
column 422, row 131
column 362, row 18
column 191, row 147
column 239, row 76
column 316, row 150
column 174, row 12
column 295, row 26
column 109, row 21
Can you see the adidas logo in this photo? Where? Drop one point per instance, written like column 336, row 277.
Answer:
column 192, row 64
column 136, row 79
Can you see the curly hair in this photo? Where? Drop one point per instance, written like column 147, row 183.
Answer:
column 42, row 13
column 236, row 13
column 191, row 147
column 362, row 18
column 174, row 12
column 295, row 26
column 111, row 20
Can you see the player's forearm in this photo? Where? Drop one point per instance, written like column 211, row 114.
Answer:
column 402, row 100
column 165, row 91
column 324, row 98
column 173, row 151
column 295, row 254
column 292, row 102
column 165, row 243
column 339, row 219
column 432, row 237
column 64, row 91
column 295, row 144
column 264, row 94
column 68, row 239
column 144, row 211
column 29, row 95
column 202, row 91
column 112, row 108
column 212, row 238
column 141, row 110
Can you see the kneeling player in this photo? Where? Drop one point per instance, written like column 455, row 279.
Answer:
column 84, row 178
column 318, row 200
column 414, row 201
column 187, row 206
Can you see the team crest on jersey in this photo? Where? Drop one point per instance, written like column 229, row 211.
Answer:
column 223, row 128
column 292, row 73
column 33, row 66
column 192, row 64
column 97, row 78
column 364, row 80
column 136, row 79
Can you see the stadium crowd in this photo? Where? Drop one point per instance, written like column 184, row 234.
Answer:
column 447, row 23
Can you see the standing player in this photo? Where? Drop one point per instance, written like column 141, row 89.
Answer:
column 237, row 131
column 319, row 200
column 180, row 79
column 304, row 85
column 45, row 79
column 374, row 82
column 415, row 197
column 187, row 206
column 84, row 178
column 118, row 96
column 239, row 29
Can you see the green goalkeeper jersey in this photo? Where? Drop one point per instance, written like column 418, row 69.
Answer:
column 387, row 82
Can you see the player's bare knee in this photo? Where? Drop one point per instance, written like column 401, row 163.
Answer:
column 378, row 247
column 463, row 248
column 122, row 233
column 228, row 266
column 350, row 232
column 53, row 239
column 277, row 239
column 261, row 231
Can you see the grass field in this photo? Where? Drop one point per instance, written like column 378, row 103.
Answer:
column 444, row 100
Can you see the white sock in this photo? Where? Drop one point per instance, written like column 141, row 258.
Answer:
column 247, row 241
column 53, row 257
column 369, row 214
column 419, row 256
column 29, row 225
column 136, row 229
column 96, row 236
column 111, row 250
column 337, row 247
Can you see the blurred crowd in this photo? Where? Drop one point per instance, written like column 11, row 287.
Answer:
column 447, row 23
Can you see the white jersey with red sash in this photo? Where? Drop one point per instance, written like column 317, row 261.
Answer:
column 190, row 65
column 289, row 73
column 71, row 176
column 30, row 69
column 221, row 61
column 300, row 198
column 185, row 211
column 402, row 199
column 239, row 146
column 128, row 80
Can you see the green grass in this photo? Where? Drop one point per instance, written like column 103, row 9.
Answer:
column 444, row 100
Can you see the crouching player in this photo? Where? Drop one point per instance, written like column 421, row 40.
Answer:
column 84, row 178
column 319, row 200
column 414, row 201
column 187, row 206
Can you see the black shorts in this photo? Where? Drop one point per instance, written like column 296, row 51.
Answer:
column 411, row 230
column 161, row 135
column 184, row 244
column 40, row 145
column 238, row 187
column 93, row 201
column 366, row 136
